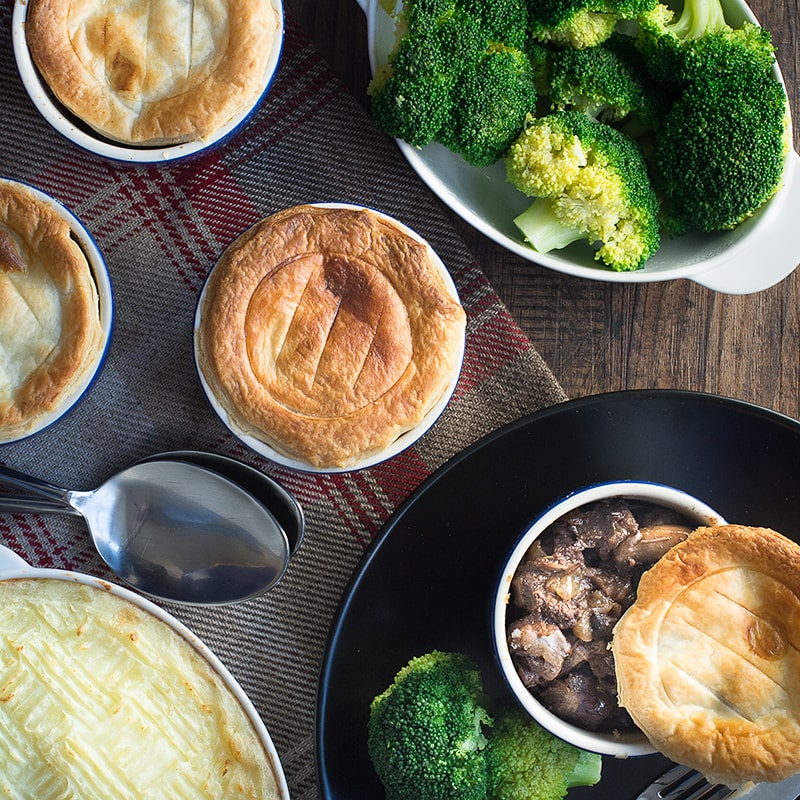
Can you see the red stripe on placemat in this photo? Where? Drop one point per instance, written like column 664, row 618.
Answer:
column 225, row 208
column 362, row 499
column 192, row 211
column 30, row 535
column 399, row 476
column 302, row 85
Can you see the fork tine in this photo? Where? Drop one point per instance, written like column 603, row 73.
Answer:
column 683, row 783
column 678, row 782
column 713, row 792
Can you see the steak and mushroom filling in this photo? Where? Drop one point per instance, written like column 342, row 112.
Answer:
column 575, row 582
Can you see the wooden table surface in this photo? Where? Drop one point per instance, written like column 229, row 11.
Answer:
column 598, row 336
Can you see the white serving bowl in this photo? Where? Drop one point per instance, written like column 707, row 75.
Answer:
column 13, row 567
column 619, row 745
column 89, row 140
column 105, row 297
column 757, row 254
column 402, row 442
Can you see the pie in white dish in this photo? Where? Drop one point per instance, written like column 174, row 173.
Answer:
column 51, row 334
column 153, row 73
column 328, row 332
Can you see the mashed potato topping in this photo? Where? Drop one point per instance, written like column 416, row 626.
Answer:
column 99, row 698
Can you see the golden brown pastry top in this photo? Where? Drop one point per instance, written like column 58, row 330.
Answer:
column 327, row 333
column 708, row 657
column 50, row 332
column 150, row 72
column 106, row 700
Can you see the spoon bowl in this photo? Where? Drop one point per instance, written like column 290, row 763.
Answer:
column 174, row 530
column 284, row 507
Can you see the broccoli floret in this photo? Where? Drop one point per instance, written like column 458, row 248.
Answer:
column 490, row 104
column 719, row 154
column 581, row 23
column 458, row 75
column 609, row 83
column 503, row 21
column 591, row 182
column 525, row 762
column 729, row 52
column 431, row 737
column 425, row 734
column 411, row 96
column 695, row 45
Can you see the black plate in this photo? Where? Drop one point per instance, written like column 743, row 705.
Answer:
column 427, row 580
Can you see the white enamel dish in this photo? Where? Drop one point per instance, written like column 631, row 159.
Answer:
column 13, row 566
column 402, row 442
column 87, row 139
column 758, row 254
column 613, row 744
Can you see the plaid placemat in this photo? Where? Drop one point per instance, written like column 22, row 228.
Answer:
column 161, row 230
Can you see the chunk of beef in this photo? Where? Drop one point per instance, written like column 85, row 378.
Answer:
column 553, row 597
column 618, row 588
column 601, row 526
column 597, row 616
column 554, row 552
column 580, row 698
column 595, row 655
column 538, row 649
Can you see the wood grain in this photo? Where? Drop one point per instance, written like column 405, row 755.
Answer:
column 599, row 336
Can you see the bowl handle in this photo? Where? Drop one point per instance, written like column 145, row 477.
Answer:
column 772, row 255
column 9, row 560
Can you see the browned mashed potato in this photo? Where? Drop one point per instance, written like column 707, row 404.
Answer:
column 99, row 699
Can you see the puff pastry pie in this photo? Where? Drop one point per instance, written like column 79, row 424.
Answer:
column 153, row 72
column 327, row 333
column 50, row 332
column 708, row 657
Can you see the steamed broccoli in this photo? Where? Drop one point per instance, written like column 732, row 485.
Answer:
column 525, row 762
column 411, row 95
column 425, row 735
column 693, row 46
column 591, row 182
column 719, row 153
column 431, row 737
column 581, row 23
column 504, row 21
column 457, row 75
column 490, row 104
column 607, row 82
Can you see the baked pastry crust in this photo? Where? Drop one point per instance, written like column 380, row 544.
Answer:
column 708, row 657
column 153, row 73
column 50, row 331
column 327, row 333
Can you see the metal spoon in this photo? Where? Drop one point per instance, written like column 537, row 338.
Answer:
column 171, row 529
column 283, row 505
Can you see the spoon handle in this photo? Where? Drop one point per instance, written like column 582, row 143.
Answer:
column 55, row 495
column 17, row 505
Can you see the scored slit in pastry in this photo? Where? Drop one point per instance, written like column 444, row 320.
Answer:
column 708, row 657
column 50, row 328
column 153, row 72
column 327, row 333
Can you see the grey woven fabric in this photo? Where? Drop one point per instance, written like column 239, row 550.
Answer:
column 161, row 230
